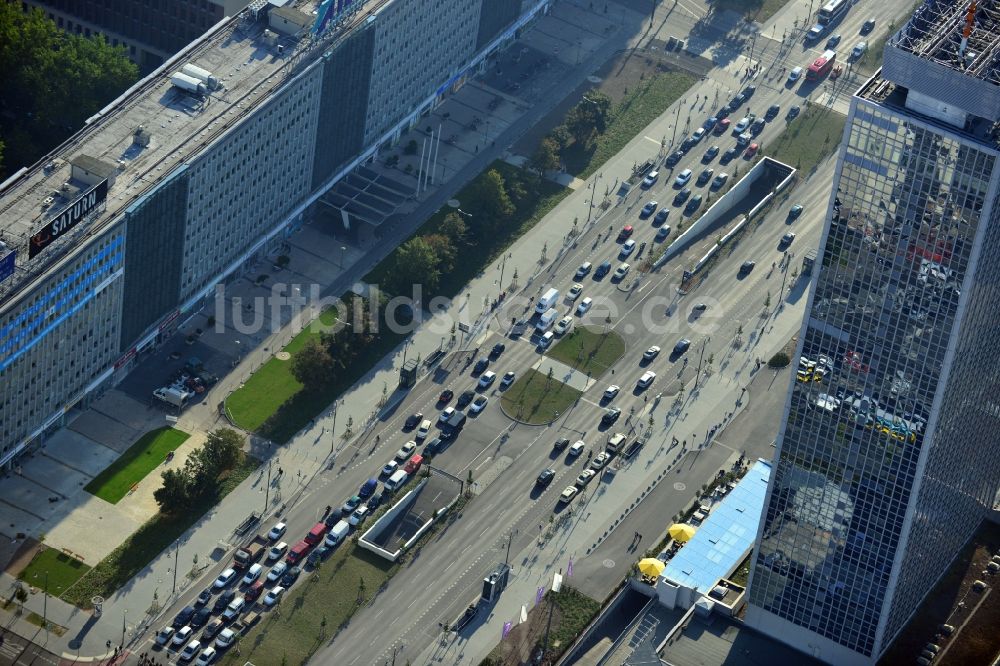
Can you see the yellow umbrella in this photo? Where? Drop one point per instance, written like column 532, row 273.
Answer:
column 651, row 566
column 681, row 532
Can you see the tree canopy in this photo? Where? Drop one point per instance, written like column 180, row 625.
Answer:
column 53, row 82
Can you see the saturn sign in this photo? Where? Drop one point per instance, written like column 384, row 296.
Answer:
column 68, row 218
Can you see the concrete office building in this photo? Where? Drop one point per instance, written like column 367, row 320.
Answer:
column 150, row 31
column 109, row 241
column 887, row 457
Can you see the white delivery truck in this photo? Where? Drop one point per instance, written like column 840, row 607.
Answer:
column 337, row 534
column 545, row 321
column 172, row 396
column 548, row 299
column 396, row 481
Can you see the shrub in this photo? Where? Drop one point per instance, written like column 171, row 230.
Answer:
column 779, row 360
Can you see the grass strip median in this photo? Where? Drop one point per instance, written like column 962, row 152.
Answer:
column 809, row 139
column 147, row 542
column 536, row 398
column 139, row 460
column 589, row 350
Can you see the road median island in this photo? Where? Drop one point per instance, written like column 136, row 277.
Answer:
column 809, row 139
column 589, row 350
column 537, row 399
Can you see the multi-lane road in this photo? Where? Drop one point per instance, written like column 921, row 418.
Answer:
column 505, row 457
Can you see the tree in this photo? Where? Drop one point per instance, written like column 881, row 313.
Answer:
column 53, row 81
column 454, row 227
column 175, row 494
column 312, row 365
column 546, row 156
column 222, row 451
column 490, row 193
column 416, row 261
column 445, row 251
column 589, row 118
column 561, row 136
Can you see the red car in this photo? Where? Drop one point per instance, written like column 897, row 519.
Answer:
column 751, row 150
column 625, row 233
column 722, row 127
column 446, row 396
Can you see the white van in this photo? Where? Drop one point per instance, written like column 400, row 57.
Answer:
column 546, row 340
column 546, row 320
column 548, row 299
column 337, row 534
column 396, row 481
column 424, row 429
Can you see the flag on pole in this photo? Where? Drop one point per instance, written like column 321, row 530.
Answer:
column 540, row 595
column 524, row 614
column 569, row 568
column 506, row 629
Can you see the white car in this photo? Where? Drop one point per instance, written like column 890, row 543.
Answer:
column 224, row 579
column 190, row 650
column 682, row 178
column 650, row 178
column 424, row 429
column 234, row 608
column 487, row 378
column 859, row 50
column 406, row 451
column 358, row 516
column 277, row 551
column 546, row 340
column 563, row 325
column 277, row 571
column 585, row 477
column 577, row 448
column 253, row 574
column 273, row 596
column 225, row 638
column 567, row 495
column 583, row 269
column 612, row 391
column 574, row 292
column 446, row 414
column 650, row 353
column 622, row 271
column 600, row 460
column 277, row 531
column 479, row 404
column 626, row 248
column 584, row 306
column 698, row 134
column 164, row 635
column 182, row 635
column 795, row 75
column 742, row 125
column 646, row 380
column 508, row 379
column 206, row 657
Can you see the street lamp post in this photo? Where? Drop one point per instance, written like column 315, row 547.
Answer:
column 700, row 358
column 267, row 488
column 124, row 616
column 510, row 538
column 177, row 551
column 45, row 603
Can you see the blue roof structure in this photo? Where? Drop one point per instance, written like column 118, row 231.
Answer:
column 724, row 538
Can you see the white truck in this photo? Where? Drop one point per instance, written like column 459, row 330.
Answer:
column 548, row 299
column 172, row 396
column 545, row 321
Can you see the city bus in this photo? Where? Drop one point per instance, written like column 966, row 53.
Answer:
column 821, row 66
column 832, row 11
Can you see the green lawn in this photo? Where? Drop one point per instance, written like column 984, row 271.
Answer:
column 62, row 570
column 128, row 559
column 311, row 614
column 535, row 399
column 272, row 384
column 808, row 139
column 628, row 119
column 589, row 350
column 139, row 460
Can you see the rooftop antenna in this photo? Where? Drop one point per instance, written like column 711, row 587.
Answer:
column 970, row 17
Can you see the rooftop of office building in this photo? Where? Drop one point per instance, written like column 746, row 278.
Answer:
column 944, row 63
column 139, row 138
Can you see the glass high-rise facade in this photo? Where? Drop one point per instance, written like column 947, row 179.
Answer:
column 887, row 457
